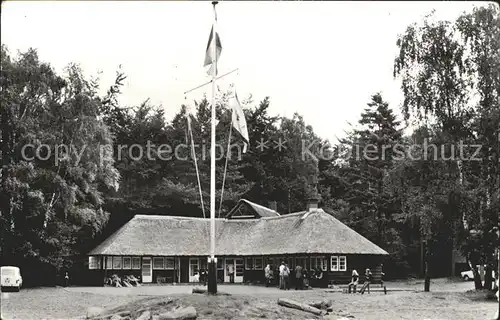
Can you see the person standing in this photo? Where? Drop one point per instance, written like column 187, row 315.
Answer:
column 319, row 278
column 382, row 275
column 286, row 276
column 306, row 278
column 282, row 275
column 298, row 277
column 268, row 275
column 277, row 276
column 230, row 271
column 203, row 277
column 498, row 295
column 66, row 279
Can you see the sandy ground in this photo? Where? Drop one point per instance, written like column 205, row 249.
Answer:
column 447, row 300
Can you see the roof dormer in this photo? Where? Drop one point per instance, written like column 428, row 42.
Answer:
column 245, row 209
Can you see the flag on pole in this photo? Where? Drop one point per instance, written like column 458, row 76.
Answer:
column 238, row 120
column 209, row 56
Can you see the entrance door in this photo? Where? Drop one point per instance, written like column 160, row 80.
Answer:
column 147, row 270
column 184, row 270
column 194, row 268
column 239, row 266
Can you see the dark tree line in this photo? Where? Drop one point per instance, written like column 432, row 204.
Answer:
column 399, row 188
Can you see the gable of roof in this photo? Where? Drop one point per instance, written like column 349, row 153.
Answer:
column 257, row 210
column 316, row 232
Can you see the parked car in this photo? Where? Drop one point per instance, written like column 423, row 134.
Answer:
column 469, row 275
column 11, row 278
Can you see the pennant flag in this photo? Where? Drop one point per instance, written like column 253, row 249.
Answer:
column 238, row 120
column 209, row 55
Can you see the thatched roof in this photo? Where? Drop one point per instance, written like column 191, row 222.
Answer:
column 301, row 232
column 258, row 210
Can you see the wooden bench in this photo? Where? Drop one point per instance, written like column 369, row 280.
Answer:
column 363, row 289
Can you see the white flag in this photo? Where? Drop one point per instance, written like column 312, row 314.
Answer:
column 238, row 120
column 210, row 60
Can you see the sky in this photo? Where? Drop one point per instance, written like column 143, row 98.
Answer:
column 323, row 60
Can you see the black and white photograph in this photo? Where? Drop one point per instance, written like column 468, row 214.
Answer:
column 214, row 160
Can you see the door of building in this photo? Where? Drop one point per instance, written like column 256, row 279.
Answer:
column 194, row 268
column 147, row 270
column 184, row 270
column 239, row 270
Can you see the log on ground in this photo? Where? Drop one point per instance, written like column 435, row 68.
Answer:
column 199, row 290
column 323, row 305
column 300, row 306
column 188, row 313
column 203, row 291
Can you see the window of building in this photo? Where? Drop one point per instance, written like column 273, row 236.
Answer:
column 319, row 262
column 314, row 263
column 258, row 263
column 136, row 262
column 109, row 262
column 117, row 262
column 324, row 263
column 169, row 263
column 249, row 263
column 300, row 261
column 334, row 263
column 127, row 263
column 342, row 263
column 219, row 264
column 339, row 263
column 204, row 264
column 94, row 262
column 269, row 261
column 157, row 262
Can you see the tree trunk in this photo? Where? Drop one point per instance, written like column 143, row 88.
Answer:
column 487, row 278
column 478, row 284
column 6, row 207
column 427, row 282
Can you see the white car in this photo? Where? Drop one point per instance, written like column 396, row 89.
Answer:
column 10, row 277
column 468, row 275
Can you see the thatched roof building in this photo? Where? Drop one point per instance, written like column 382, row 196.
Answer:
column 300, row 232
column 249, row 230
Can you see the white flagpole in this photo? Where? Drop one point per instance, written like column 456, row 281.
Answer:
column 212, row 281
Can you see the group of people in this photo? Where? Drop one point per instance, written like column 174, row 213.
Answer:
column 303, row 278
column 368, row 279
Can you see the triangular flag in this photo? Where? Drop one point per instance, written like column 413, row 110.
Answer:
column 238, row 120
column 209, row 56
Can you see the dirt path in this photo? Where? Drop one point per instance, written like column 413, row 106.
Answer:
column 249, row 302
